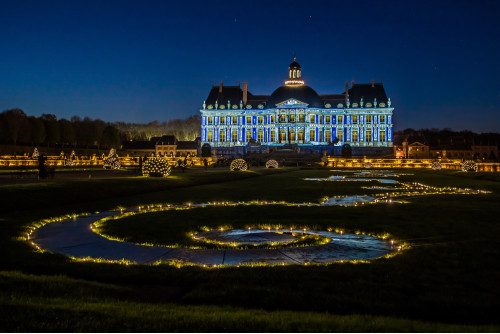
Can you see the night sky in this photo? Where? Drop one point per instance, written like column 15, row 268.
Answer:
column 140, row 61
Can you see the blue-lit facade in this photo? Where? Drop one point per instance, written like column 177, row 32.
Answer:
column 295, row 114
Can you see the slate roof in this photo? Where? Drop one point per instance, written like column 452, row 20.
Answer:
column 166, row 140
column 368, row 92
column 232, row 93
column 255, row 100
column 333, row 99
column 304, row 93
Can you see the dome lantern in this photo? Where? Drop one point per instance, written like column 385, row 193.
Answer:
column 294, row 74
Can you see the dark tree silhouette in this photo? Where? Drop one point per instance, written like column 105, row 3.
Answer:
column 346, row 151
column 16, row 125
column 68, row 132
column 111, row 137
column 206, row 150
column 37, row 128
column 52, row 128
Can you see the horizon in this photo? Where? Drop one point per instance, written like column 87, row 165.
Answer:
column 131, row 62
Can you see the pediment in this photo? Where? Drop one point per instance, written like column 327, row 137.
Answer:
column 291, row 103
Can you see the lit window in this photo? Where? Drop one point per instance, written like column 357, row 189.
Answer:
column 328, row 136
column 355, row 119
column 210, row 120
column 273, row 136
column 272, row 119
column 260, row 120
column 301, row 135
column 282, row 136
column 311, row 119
column 248, row 135
column 312, row 135
column 210, row 136
column 222, row 136
column 382, row 135
column 368, row 135
column 382, row 119
column 222, row 120
column 301, row 118
column 249, row 120
column 340, row 135
column 283, row 119
column 260, row 136
column 340, row 119
column 368, row 119
column 355, row 136
column 235, row 120
column 292, row 118
column 234, row 136
column 327, row 119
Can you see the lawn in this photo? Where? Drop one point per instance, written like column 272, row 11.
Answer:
column 447, row 281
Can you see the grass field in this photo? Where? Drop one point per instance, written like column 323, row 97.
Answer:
column 447, row 281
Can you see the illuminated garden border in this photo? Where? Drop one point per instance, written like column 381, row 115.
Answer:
column 399, row 196
column 396, row 246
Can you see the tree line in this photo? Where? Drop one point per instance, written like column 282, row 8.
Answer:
column 182, row 129
column 448, row 137
column 17, row 128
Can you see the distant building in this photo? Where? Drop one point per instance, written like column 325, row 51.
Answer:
column 171, row 147
column 163, row 146
column 464, row 151
column 416, row 146
column 295, row 114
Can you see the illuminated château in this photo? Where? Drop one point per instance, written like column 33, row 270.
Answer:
column 294, row 113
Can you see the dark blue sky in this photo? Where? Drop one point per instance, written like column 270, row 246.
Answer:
column 155, row 60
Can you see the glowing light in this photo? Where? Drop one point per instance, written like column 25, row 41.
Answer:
column 156, row 167
column 238, row 165
column 294, row 82
column 271, row 164
column 469, row 166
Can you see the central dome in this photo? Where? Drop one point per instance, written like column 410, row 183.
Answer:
column 302, row 93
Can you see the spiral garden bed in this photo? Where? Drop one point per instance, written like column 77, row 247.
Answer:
column 80, row 236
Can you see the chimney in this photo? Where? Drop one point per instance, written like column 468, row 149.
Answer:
column 245, row 92
column 373, row 83
column 346, row 91
column 352, row 83
column 221, row 84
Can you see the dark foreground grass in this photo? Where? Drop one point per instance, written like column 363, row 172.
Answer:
column 449, row 278
column 32, row 305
